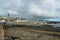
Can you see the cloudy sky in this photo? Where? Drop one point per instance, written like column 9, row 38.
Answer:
column 31, row 8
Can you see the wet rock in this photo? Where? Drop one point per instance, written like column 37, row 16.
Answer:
column 16, row 33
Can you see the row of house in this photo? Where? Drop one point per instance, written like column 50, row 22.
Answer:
column 32, row 22
column 11, row 20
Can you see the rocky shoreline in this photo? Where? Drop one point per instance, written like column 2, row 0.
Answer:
column 24, row 33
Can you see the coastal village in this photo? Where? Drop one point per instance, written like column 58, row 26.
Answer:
column 11, row 20
column 23, row 21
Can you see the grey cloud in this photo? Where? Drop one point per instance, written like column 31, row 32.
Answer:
column 23, row 8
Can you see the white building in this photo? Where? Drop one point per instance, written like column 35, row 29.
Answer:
column 21, row 21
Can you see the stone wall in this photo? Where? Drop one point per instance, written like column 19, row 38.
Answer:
column 1, row 33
